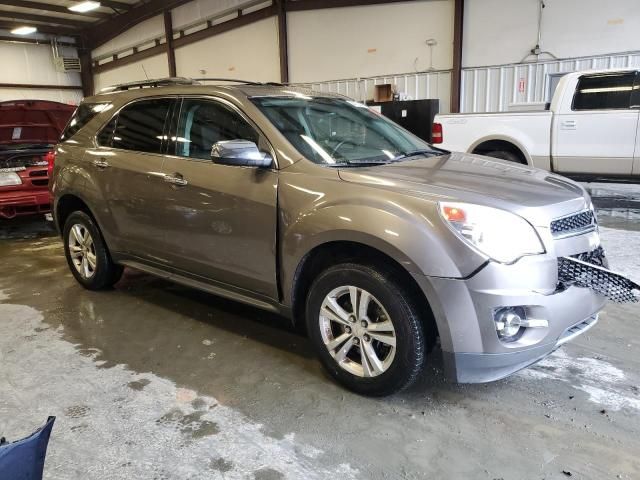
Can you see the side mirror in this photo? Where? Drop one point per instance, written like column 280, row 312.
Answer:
column 243, row 153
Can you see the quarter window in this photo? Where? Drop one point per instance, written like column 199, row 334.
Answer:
column 202, row 123
column 604, row 91
column 83, row 115
column 140, row 126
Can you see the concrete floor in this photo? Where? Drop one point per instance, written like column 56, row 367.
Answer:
column 156, row 381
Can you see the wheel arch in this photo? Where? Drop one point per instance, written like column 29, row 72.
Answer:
column 498, row 142
column 66, row 205
column 334, row 252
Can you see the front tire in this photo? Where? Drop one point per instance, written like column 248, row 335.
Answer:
column 366, row 328
column 87, row 254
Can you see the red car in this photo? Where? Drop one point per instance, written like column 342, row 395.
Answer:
column 28, row 131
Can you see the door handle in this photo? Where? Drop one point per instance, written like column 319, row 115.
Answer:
column 176, row 179
column 568, row 124
column 101, row 164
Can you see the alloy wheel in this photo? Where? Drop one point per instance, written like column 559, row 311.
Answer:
column 357, row 331
column 82, row 250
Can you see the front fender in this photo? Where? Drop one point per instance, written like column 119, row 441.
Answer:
column 410, row 232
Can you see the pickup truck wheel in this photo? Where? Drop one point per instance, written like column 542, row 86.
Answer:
column 87, row 255
column 366, row 329
column 504, row 155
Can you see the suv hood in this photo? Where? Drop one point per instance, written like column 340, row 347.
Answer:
column 532, row 193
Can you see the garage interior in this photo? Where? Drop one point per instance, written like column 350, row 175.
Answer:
column 153, row 380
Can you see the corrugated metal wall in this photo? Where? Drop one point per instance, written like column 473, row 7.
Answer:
column 418, row 86
column 496, row 88
column 512, row 87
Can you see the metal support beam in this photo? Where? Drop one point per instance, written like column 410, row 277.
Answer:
column 300, row 5
column 48, row 19
column 129, row 59
column 171, row 54
column 52, row 8
column 456, row 72
column 86, row 72
column 50, row 29
column 39, row 87
column 283, row 42
column 117, row 25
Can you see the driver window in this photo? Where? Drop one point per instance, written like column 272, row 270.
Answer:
column 202, row 123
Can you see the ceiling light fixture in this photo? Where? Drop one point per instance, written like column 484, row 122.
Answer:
column 84, row 6
column 24, row 30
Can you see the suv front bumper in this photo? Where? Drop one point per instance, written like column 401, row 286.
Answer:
column 464, row 312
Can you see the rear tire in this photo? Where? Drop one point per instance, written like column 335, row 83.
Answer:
column 382, row 350
column 87, row 254
column 505, row 155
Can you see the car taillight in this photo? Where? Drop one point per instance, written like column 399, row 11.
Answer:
column 436, row 133
column 50, row 157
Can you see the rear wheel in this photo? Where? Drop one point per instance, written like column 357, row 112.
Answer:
column 366, row 329
column 87, row 254
column 505, row 155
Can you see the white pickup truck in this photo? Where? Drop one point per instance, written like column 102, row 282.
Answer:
column 591, row 128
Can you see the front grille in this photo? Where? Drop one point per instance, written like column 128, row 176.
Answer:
column 38, row 173
column 573, row 224
column 591, row 273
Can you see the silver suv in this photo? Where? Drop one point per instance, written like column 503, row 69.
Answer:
column 316, row 207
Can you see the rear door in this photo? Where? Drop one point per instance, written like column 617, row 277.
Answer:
column 598, row 133
column 128, row 168
column 220, row 220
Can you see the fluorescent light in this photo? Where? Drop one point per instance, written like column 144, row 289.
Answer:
column 84, row 6
column 24, row 30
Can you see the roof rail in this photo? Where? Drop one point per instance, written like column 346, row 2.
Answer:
column 230, row 80
column 156, row 82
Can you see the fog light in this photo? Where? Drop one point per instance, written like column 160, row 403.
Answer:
column 511, row 322
column 508, row 323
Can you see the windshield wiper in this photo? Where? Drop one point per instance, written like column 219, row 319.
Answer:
column 414, row 153
column 354, row 163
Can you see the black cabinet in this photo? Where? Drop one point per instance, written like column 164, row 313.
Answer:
column 414, row 115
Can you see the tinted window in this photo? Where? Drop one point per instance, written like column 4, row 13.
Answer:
column 203, row 123
column 140, row 126
column 104, row 137
column 604, row 91
column 83, row 114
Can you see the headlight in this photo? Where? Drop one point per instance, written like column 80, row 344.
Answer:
column 9, row 178
column 501, row 235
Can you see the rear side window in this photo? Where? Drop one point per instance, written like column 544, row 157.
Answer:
column 604, row 91
column 140, row 126
column 83, row 115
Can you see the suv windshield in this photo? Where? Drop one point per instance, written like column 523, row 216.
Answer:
column 340, row 132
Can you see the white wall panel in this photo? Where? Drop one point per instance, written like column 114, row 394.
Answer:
column 155, row 67
column 143, row 31
column 351, row 42
column 504, row 31
column 33, row 64
column 249, row 52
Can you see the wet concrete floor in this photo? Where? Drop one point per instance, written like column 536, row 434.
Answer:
column 154, row 380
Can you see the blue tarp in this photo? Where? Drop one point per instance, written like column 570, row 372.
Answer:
column 24, row 459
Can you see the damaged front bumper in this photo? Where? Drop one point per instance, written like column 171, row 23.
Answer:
column 560, row 298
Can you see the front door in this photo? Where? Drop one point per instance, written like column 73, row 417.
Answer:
column 219, row 220
column 598, row 135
